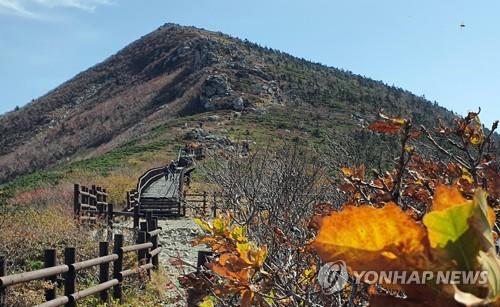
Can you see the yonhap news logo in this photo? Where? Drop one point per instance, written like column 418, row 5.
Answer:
column 333, row 277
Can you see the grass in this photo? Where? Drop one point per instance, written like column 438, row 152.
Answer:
column 118, row 170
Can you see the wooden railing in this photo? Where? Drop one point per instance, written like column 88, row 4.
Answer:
column 200, row 203
column 147, row 178
column 90, row 205
column 147, row 249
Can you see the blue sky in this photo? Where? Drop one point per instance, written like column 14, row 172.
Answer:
column 415, row 44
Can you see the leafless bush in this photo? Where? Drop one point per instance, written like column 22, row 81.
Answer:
column 274, row 193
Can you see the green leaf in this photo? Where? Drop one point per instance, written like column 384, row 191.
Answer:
column 480, row 223
column 448, row 224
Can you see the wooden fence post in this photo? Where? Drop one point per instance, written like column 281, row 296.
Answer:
column 3, row 272
column 154, row 240
column 104, row 199
column 136, row 216
column 103, row 270
column 110, row 215
column 184, row 202
column 204, row 203
column 70, row 276
column 128, row 200
column 95, row 201
column 84, row 199
column 179, row 208
column 150, row 227
column 50, row 260
column 203, row 259
column 141, row 238
column 141, row 254
column 118, row 266
column 76, row 200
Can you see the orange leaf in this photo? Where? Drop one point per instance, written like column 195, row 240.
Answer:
column 247, row 298
column 347, row 171
column 230, row 272
column 383, row 126
column 370, row 238
column 446, row 197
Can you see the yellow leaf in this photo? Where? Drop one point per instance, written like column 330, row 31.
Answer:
column 409, row 148
column 308, row 274
column 475, row 139
column 252, row 254
column 347, row 171
column 371, row 238
column 446, row 197
column 466, row 175
column 219, row 225
column 208, row 301
column 203, row 225
column 238, row 234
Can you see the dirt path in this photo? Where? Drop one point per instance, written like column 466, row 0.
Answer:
column 175, row 240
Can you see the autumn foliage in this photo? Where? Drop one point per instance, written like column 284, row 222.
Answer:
column 436, row 210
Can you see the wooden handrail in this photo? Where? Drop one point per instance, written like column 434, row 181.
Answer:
column 93, row 262
column 154, row 232
column 133, row 248
column 15, row 279
column 129, row 272
column 94, row 290
column 70, row 268
column 60, row 300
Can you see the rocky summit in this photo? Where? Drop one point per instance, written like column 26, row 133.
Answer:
column 176, row 72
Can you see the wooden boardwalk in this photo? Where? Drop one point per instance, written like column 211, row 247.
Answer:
column 163, row 188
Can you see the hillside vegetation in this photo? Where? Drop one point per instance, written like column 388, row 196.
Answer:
column 127, row 105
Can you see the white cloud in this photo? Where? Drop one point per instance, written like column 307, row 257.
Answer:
column 15, row 7
column 86, row 5
column 32, row 8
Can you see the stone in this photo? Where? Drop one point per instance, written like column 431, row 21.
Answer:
column 213, row 118
column 239, row 104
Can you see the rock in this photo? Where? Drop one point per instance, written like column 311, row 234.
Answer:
column 238, row 104
column 216, row 85
column 196, row 134
column 217, row 94
column 213, row 118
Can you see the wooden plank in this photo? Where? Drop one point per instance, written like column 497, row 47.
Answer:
column 33, row 275
column 93, row 262
column 59, row 301
column 127, row 273
column 96, row 289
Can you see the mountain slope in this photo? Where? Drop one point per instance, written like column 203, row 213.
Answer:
column 177, row 72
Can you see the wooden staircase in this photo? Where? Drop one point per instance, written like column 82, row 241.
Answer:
column 161, row 207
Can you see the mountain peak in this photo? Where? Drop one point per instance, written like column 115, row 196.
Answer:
column 176, row 71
